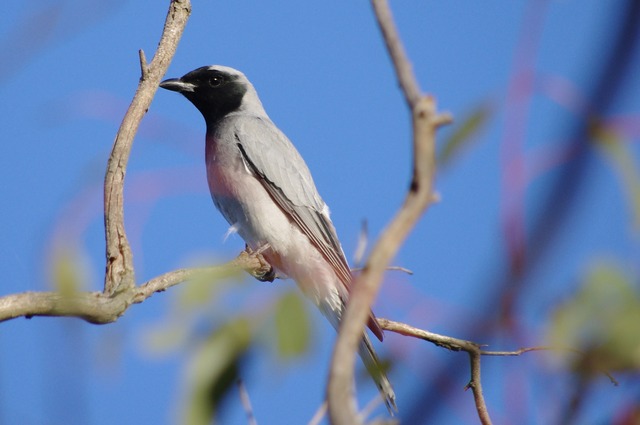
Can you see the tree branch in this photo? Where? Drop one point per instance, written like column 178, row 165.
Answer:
column 476, row 387
column 246, row 403
column 342, row 406
column 102, row 308
column 401, row 63
column 454, row 344
column 119, row 275
column 475, row 352
column 94, row 307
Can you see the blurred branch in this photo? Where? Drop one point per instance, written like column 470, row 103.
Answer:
column 119, row 275
column 388, row 268
column 94, row 307
column 246, row 403
column 319, row 415
column 48, row 24
column 341, row 403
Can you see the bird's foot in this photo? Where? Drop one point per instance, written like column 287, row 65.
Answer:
column 256, row 265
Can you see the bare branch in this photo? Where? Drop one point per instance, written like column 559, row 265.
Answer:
column 518, row 352
column 450, row 343
column 250, row 263
column 454, row 344
column 475, row 353
column 476, row 387
column 400, row 269
column 471, row 348
column 94, row 307
column 163, row 282
column 119, row 273
column 342, row 406
column 404, row 71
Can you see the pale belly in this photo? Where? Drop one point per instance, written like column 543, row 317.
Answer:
column 251, row 211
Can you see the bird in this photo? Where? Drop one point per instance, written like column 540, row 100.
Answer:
column 262, row 186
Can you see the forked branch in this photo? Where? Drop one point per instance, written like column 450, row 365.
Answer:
column 119, row 274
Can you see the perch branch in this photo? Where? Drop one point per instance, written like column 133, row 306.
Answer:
column 101, row 308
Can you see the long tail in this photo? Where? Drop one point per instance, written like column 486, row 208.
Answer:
column 367, row 353
column 368, row 356
column 370, row 359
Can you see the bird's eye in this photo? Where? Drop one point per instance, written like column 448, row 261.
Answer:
column 216, row 81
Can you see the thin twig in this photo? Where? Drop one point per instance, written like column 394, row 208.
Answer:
column 370, row 407
column 471, row 348
column 475, row 352
column 450, row 343
column 363, row 241
column 246, row 403
column 401, row 62
column 319, row 415
column 400, row 269
column 517, row 352
column 388, row 268
column 521, row 351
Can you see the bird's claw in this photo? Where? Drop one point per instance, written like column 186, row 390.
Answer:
column 258, row 267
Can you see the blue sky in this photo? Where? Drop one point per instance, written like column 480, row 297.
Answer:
column 321, row 70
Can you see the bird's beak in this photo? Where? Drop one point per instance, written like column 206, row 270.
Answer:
column 176, row 84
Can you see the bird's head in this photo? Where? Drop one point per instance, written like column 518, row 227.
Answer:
column 216, row 91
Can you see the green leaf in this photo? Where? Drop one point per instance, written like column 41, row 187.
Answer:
column 622, row 159
column 601, row 321
column 292, row 326
column 214, row 369
column 68, row 274
column 167, row 336
column 465, row 132
column 200, row 290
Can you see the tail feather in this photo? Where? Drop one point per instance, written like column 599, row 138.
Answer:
column 370, row 359
column 373, row 325
column 368, row 356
